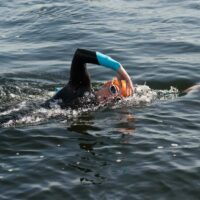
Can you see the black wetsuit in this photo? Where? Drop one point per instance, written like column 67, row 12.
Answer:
column 72, row 95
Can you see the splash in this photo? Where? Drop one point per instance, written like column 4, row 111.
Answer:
column 21, row 103
column 144, row 95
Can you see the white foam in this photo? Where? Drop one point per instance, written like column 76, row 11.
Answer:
column 29, row 111
column 41, row 115
column 19, row 106
column 145, row 95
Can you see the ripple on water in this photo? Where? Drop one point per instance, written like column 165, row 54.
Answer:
column 146, row 147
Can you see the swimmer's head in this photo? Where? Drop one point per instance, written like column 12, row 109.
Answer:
column 113, row 90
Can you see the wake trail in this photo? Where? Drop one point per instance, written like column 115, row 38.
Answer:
column 21, row 103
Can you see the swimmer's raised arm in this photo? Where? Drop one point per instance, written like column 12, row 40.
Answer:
column 109, row 62
column 79, row 74
column 79, row 82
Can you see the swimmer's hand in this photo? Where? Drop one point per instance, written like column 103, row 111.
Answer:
column 123, row 75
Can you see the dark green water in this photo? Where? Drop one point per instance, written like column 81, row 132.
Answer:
column 144, row 148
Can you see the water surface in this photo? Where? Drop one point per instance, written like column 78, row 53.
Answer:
column 144, row 148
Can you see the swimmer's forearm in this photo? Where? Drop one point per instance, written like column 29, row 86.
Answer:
column 107, row 61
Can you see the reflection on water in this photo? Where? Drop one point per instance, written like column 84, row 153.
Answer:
column 91, row 163
column 126, row 124
column 91, row 170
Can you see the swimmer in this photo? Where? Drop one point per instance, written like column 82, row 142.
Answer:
column 72, row 95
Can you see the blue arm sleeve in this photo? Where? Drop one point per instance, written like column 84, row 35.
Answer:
column 107, row 61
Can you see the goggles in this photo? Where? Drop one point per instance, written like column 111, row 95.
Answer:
column 113, row 89
column 118, row 87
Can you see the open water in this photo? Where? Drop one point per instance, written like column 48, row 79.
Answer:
column 147, row 147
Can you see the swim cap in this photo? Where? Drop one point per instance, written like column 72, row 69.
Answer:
column 122, row 87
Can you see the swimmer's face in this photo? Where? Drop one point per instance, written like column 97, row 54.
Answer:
column 108, row 92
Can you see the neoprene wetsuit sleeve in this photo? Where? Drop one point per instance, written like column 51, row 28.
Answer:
column 79, row 75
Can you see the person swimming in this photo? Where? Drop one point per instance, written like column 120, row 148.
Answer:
column 74, row 93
